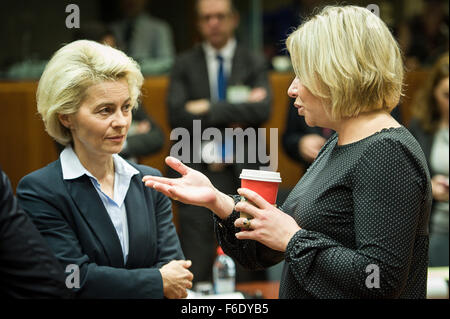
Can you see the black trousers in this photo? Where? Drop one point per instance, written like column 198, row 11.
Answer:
column 196, row 232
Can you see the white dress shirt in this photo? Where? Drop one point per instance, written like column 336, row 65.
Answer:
column 227, row 52
column 72, row 168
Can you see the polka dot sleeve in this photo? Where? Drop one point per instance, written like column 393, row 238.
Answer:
column 249, row 253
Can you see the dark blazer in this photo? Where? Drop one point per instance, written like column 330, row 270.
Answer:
column 28, row 268
column 189, row 81
column 73, row 220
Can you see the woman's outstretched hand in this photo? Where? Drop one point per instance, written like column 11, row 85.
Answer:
column 192, row 188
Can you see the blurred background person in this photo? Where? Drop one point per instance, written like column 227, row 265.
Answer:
column 279, row 23
column 223, row 84
column 145, row 38
column 424, row 36
column 301, row 142
column 91, row 205
column 144, row 138
column 430, row 126
column 28, row 268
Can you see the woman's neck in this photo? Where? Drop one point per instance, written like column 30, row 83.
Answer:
column 353, row 129
column 101, row 166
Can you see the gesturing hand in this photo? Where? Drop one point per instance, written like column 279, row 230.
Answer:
column 192, row 188
column 270, row 226
column 176, row 278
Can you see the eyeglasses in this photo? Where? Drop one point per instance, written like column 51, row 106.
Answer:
column 219, row 16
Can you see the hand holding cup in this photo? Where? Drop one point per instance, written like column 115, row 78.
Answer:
column 269, row 225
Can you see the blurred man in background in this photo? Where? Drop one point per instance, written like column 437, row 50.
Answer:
column 224, row 85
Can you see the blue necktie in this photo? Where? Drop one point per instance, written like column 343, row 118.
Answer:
column 221, row 80
column 221, row 94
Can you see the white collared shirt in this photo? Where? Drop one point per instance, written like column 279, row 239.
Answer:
column 72, row 169
column 227, row 52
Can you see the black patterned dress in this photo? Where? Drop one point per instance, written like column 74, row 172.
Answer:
column 363, row 209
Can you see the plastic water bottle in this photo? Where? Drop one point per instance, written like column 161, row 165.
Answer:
column 224, row 273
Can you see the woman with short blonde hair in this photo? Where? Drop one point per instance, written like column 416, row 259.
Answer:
column 359, row 72
column 356, row 224
column 72, row 70
column 90, row 205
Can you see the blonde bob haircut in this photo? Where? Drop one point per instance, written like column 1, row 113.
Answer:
column 347, row 56
column 71, row 71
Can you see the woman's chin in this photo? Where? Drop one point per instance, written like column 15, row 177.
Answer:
column 113, row 149
column 309, row 122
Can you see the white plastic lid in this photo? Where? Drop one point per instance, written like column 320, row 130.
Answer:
column 258, row 175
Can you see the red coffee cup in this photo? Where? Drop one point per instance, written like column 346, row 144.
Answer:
column 265, row 183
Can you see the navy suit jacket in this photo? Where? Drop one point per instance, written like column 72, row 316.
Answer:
column 72, row 218
column 189, row 81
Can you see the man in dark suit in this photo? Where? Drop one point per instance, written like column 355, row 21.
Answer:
column 223, row 85
column 28, row 269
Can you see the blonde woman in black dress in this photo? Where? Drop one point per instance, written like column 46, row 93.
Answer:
column 355, row 225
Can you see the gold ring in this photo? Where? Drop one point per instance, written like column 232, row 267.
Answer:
column 247, row 223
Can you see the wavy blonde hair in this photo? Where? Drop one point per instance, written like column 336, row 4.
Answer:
column 347, row 56
column 71, row 71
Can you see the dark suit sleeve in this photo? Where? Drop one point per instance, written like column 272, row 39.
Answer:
column 178, row 95
column 293, row 133
column 28, row 268
column 249, row 253
column 296, row 129
column 48, row 213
